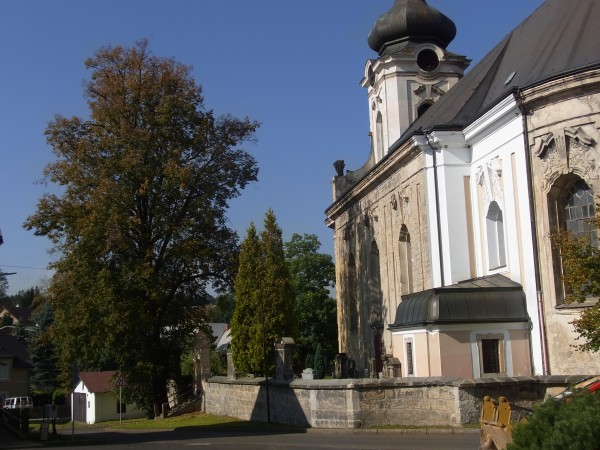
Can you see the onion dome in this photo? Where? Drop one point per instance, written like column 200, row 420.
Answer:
column 411, row 20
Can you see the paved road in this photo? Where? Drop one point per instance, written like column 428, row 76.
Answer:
column 313, row 440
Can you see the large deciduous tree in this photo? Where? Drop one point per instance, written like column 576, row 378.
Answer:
column 581, row 274
column 264, row 299
column 139, row 223
column 313, row 275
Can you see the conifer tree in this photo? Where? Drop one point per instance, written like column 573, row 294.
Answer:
column 264, row 309
column 245, row 331
column 319, row 368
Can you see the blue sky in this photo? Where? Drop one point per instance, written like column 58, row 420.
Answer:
column 295, row 66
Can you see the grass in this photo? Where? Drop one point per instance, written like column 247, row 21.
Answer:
column 196, row 420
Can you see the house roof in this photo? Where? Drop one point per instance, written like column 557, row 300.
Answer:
column 21, row 314
column 489, row 299
column 11, row 347
column 98, row 382
column 559, row 38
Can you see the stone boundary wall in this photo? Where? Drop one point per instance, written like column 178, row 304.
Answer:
column 362, row 403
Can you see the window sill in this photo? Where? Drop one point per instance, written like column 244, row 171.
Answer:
column 586, row 304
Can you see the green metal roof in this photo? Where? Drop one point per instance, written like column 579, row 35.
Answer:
column 489, row 299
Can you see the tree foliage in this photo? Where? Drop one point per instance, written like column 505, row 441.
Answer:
column 24, row 298
column 581, row 275
column 42, row 346
column 223, row 308
column 139, row 223
column 313, row 274
column 565, row 425
column 3, row 288
column 264, row 301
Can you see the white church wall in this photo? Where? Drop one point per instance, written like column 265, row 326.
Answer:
column 499, row 174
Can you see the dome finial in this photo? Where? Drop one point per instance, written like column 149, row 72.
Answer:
column 411, row 20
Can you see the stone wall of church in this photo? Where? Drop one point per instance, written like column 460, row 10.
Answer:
column 563, row 122
column 348, row 404
column 382, row 252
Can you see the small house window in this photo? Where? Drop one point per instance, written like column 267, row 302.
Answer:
column 410, row 368
column 491, row 355
column 121, row 407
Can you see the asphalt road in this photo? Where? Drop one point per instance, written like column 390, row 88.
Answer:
column 313, row 440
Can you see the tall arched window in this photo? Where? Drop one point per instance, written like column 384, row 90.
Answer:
column 495, row 237
column 405, row 261
column 352, row 294
column 379, row 135
column 571, row 207
column 579, row 210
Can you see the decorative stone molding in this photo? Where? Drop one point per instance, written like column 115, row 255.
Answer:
column 581, row 154
column 489, row 177
column 574, row 151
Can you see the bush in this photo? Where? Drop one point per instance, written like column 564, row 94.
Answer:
column 59, row 397
column 309, row 362
column 218, row 363
column 40, row 398
column 573, row 423
column 319, row 367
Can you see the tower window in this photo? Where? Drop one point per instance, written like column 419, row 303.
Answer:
column 423, row 107
column 428, row 60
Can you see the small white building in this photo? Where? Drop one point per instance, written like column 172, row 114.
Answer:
column 96, row 399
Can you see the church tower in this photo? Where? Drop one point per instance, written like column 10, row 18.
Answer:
column 413, row 69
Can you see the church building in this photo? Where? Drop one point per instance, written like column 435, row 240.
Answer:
column 444, row 260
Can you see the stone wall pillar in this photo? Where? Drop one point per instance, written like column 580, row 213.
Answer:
column 283, row 359
column 230, row 366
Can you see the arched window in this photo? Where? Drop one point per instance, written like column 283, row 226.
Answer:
column 579, row 210
column 571, row 207
column 375, row 295
column 352, row 297
column 495, row 237
column 405, row 261
column 379, row 135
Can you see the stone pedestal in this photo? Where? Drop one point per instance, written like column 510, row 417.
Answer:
column 341, row 366
column 230, row 366
column 283, row 359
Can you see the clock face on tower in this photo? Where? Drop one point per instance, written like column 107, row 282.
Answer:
column 428, row 60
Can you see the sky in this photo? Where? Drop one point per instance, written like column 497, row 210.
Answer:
column 295, row 66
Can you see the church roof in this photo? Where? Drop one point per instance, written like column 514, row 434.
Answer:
column 410, row 20
column 489, row 299
column 559, row 38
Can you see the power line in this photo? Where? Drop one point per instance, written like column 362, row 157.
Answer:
column 24, row 267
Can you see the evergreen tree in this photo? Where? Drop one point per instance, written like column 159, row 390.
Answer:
column 42, row 347
column 3, row 288
column 319, row 368
column 246, row 331
column 264, row 309
column 24, row 298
